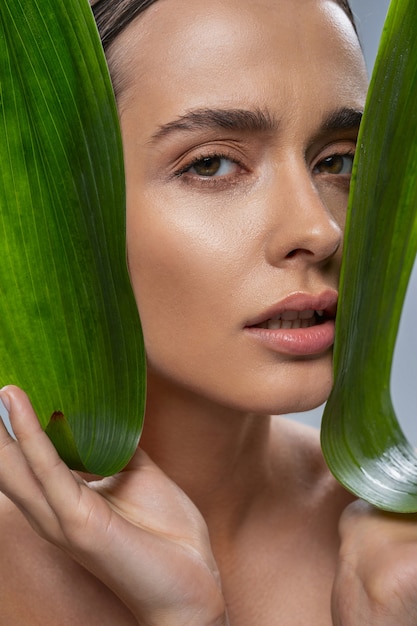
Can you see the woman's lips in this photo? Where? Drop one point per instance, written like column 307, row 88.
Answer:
column 302, row 324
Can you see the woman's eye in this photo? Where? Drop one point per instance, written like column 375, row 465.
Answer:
column 336, row 164
column 211, row 166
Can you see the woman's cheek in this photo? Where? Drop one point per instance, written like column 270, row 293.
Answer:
column 334, row 192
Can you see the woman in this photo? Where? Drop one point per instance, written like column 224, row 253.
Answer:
column 239, row 122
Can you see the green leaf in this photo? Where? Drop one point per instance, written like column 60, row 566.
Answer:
column 70, row 332
column 362, row 441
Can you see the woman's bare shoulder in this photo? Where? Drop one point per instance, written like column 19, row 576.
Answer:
column 30, row 571
column 40, row 585
column 19, row 580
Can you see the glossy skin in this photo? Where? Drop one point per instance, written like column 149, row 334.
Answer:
column 208, row 255
column 235, row 520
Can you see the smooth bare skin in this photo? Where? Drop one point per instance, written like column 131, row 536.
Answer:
column 236, row 513
column 225, row 249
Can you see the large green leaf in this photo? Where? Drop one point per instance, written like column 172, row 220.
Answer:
column 70, row 334
column 361, row 438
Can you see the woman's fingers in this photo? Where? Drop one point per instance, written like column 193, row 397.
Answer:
column 376, row 579
column 32, row 474
column 17, row 480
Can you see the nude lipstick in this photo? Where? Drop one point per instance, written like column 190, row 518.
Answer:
column 302, row 324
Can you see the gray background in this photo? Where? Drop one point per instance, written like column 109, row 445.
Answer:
column 370, row 16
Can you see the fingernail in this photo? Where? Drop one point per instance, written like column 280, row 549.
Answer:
column 5, row 399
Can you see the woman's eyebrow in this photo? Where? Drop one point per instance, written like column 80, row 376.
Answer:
column 250, row 120
column 342, row 119
column 256, row 120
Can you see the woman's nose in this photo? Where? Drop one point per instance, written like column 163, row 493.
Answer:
column 302, row 227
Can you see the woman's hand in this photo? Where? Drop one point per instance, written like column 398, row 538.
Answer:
column 376, row 580
column 136, row 531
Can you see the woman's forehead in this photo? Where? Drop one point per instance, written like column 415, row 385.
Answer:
column 212, row 49
column 113, row 16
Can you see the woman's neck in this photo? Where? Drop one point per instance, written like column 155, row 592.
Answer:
column 218, row 456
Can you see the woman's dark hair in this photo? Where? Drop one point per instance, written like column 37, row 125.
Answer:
column 112, row 16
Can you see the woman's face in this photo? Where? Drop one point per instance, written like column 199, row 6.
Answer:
column 239, row 122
